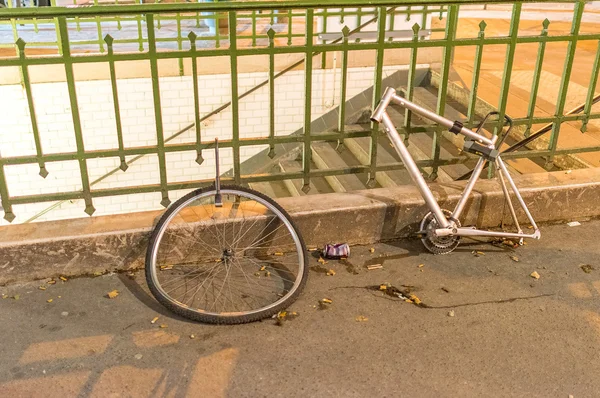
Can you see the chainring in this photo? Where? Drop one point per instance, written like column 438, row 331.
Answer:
column 434, row 243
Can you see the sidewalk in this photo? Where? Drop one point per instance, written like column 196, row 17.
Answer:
column 511, row 335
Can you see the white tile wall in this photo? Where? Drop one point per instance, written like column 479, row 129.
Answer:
column 96, row 109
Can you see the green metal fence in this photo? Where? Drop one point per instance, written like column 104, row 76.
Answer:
column 293, row 31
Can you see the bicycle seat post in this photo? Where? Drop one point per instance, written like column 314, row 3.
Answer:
column 218, row 198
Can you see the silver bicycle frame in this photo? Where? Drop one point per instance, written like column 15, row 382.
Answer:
column 449, row 226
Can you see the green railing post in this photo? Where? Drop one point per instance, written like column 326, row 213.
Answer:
column 564, row 84
column 271, row 34
column 197, row 123
column 591, row 90
column 113, row 82
column 68, row 62
column 32, row 115
column 235, row 113
column 451, row 24
column 476, row 71
column 377, row 81
column 308, row 70
column 160, row 140
column 537, row 74
column 343, row 89
column 412, row 68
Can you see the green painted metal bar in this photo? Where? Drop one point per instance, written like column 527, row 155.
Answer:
column 5, row 198
column 343, row 88
column 537, row 74
column 99, row 29
column 253, row 28
column 308, row 70
column 290, row 29
column 160, row 141
column 197, row 124
column 377, row 80
column 57, row 30
column 324, row 42
column 40, row 12
column 235, row 112
column 410, row 84
column 566, row 78
column 506, row 76
column 476, row 73
column 113, row 82
column 85, row 183
column 451, row 25
column 32, row 115
column 591, row 90
column 179, row 43
column 271, row 153
column 139, row 29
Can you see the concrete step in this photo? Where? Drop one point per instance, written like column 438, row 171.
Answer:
column 420, row 147
column 325, row 156
column 360, row 148
column 273, row 189
column 318, row 185
column 428, row 99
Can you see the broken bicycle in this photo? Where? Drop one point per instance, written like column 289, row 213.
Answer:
column 441, row 229
column 229, row 254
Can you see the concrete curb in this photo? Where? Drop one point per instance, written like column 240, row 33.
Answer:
column 109, row 243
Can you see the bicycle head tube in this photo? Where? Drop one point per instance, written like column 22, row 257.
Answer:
column 383, row 104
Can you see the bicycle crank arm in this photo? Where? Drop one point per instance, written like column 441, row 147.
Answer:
column 477, row 232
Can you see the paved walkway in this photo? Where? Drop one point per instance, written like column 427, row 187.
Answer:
column 511, row 335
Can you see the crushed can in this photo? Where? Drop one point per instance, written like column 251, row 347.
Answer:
column 336, row 251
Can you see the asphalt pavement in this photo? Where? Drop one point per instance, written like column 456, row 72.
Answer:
column 487, row 329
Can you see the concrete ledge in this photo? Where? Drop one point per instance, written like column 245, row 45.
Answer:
column 88, row 245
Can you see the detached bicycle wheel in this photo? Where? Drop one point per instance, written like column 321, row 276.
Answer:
column 232, row 262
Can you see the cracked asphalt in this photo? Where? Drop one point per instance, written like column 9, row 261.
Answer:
column 510, row 335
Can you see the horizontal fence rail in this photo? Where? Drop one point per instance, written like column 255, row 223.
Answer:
column 192, row 33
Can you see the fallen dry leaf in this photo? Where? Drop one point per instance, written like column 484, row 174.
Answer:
column 62, row 278
column 451, row 313
column 49, row 300
column 372, row 250
column 515, row 259
column 113, row 294
column 163, row 326
column 415, row 299
column 42, row 287
column 98, row 273
column 331, row 272
column 421, row 265
column 192, row 336
column 587, row 268
column 535, row 275
column 257, row 273
column 382, row 287
column 16, row 297
column 154, row 320
column 361, row 318
column 267, row 274
column 477, row 253
column 5, row 296
column 51, row 282
column 263, row 268
column 327, row 301
column 322, row 260
column 278, row 253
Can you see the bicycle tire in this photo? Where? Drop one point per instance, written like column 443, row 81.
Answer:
column 235, row 317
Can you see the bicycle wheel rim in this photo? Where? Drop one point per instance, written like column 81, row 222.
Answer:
column 153, row 269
